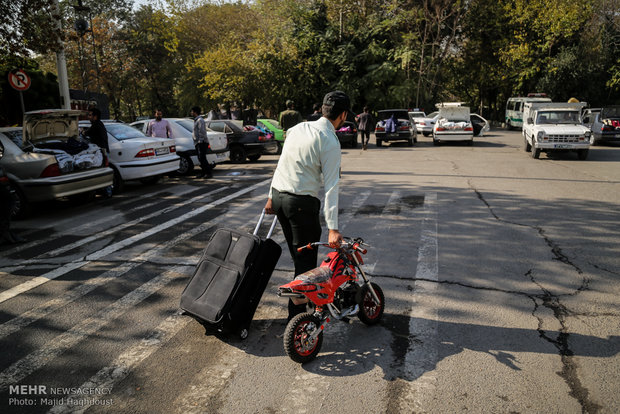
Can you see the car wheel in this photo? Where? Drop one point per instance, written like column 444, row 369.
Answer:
column 410, row 142
column 582, row 154
column 435, row 142
column 470, row 142
column 237, row 154
column 535, row 152
column 426, row 134
column 279, row 151
column 186, row 165
column 118, row 184
column 354, row 143
column 253, row 157
column 526, row 145
column 21, row 207
column 508, row 126
column 379, row 142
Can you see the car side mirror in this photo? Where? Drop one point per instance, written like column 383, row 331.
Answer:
column 530, row 120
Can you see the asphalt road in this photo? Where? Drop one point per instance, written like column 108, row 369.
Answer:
column 500, row 274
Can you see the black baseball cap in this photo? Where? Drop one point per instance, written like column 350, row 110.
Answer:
column 338, row 100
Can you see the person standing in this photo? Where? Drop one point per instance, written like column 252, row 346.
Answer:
column 159, row 127
column 201, row 141
column 316, row 114
column 97, row 134
column 290, row 117
column 365, row 124
column 310, row 157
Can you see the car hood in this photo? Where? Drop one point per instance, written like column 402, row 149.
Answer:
column 52, row 124
column 563, row 129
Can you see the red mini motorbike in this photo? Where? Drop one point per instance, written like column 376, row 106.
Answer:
column 337, row 289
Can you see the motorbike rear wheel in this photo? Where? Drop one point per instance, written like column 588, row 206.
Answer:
column 370, row 311
column 297, row 344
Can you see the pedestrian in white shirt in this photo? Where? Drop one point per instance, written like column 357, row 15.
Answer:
column 310, row 158
column 159, row 127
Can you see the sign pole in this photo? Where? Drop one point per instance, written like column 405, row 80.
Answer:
column 21, row 99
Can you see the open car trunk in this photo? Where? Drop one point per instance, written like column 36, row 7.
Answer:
column 55, row 132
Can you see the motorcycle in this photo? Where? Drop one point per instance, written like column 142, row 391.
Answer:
column 338, row 289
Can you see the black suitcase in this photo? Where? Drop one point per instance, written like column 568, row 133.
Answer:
column 230, row 279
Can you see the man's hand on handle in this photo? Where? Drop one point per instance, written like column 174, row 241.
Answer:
column 269, row 207
column 334, row 239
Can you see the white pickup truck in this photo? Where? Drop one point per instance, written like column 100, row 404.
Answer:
column 555, row 126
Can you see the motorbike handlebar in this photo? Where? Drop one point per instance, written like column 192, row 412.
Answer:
column 346, row 242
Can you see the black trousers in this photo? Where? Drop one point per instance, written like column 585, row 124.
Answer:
column 366, row 134
column 299, row 219
column 201, row 149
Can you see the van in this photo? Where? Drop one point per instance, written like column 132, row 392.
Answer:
column 514, row 108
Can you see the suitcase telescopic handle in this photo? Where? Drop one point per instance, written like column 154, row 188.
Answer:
column 260, row 222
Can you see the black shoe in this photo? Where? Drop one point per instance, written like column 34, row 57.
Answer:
column 209, row 175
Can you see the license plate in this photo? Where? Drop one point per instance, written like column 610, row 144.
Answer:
column 162, row 151
column 393, row 135
column 561, row 146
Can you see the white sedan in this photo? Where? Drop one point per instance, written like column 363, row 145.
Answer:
column 182, row 133
column 134, row 156
column 424, row 123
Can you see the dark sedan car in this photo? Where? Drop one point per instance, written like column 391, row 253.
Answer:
column 394, row 125
column 244, row 141
column 347, row 134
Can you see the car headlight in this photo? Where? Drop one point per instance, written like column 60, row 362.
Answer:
column 540, row 135
column 588, row 134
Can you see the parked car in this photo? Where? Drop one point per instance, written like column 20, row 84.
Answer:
column 244, row 142
column 46, row 160
column 403, row 130
column 423, row 123
column 275, row 127
column 134, row 156
column 604, row 124
column 479, row 124
column 555, row 127
column 347, row 134
column 453, row 124
column 182, row 129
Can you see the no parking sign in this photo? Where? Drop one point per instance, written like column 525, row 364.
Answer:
column 19, row 80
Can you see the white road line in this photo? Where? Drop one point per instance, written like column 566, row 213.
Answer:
column 38, row 281
column 115, row 229
column 89, row 285
column 422, row 357
column 92, row 224
column 108, row 376
column 383, row 225
column 39, row 358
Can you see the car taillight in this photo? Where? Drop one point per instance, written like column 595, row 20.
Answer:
column 422, row 123
column 174, row 149
column 404, row 128
column 51, row 171
column 380, row 129
column 146, row 153
column 440, row 129
column 469, row 129
column 263, row 138
column 355, row 130
column 607, row 128
column 4, row 179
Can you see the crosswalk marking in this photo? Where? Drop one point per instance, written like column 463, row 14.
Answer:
column 422, row 355
column 89, row 226
column 38, row 281
column 89, row 285
column 37, row 359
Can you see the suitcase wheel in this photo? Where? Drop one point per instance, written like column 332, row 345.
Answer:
column 243, row 333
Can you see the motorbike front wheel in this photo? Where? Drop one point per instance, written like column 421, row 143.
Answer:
column 370, row 311
column 297, row 343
